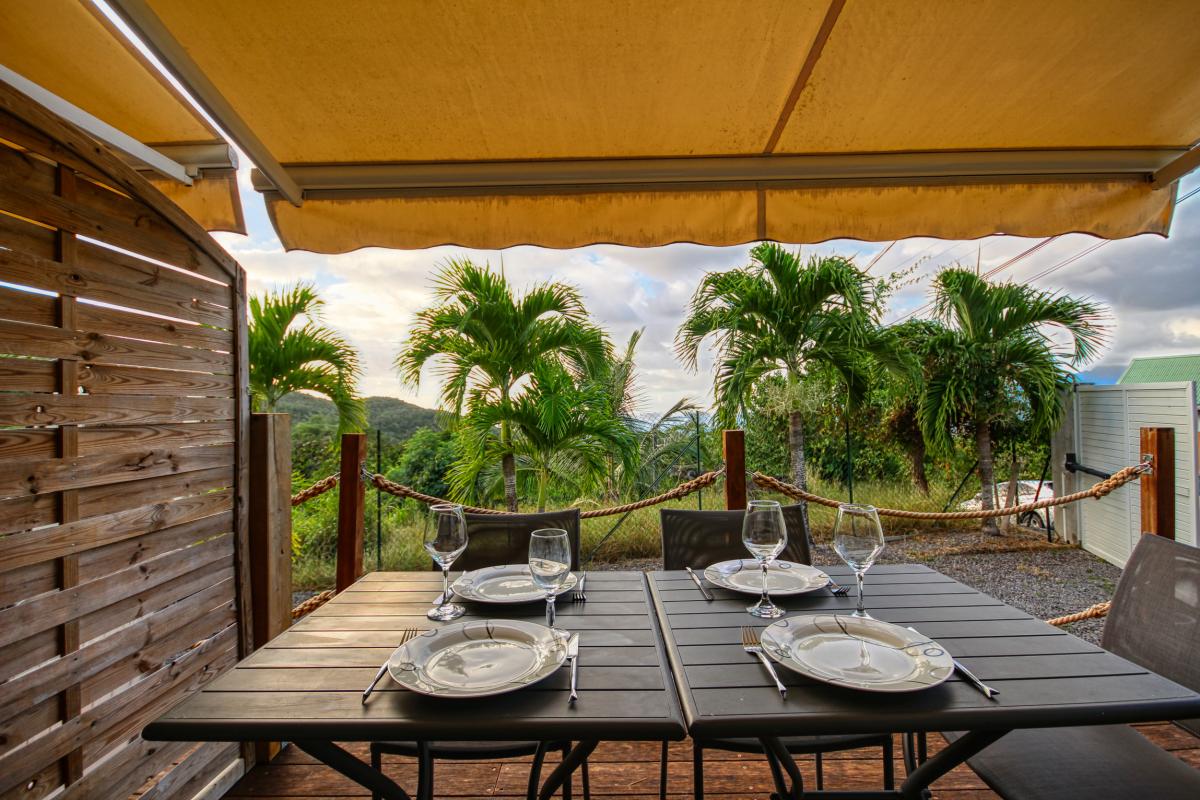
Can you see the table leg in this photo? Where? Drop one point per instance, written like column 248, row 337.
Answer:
column 953, row 754
column 779, row 757
column 363, row 774
column 562, row 773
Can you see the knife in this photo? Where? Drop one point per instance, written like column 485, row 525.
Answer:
column 573, row 654
column 699, row 585
column 987, row 691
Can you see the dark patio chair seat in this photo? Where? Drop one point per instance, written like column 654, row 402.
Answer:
column 697, row 539
column 1109, row 761
column 1154, row 622
column 494, row 539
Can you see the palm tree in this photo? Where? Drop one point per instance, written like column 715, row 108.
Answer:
column 656, row 438
column 486, row 339
column 564, row 431
column 290, row 351
column 993, row 352
column 903, row 391
column 783, row 317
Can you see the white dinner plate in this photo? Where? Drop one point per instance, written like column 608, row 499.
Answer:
column 479, row 658
column 858, row 653
column 507, row 583
column 783, row 577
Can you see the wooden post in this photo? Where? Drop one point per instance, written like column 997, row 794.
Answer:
column 733, row 444
column 352, row 495
column 1158, row 485
column 270, row 531
column 270, row 525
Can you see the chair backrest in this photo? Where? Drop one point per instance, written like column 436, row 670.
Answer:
column 504, row 538
column 697, row 539
column 1155, row 616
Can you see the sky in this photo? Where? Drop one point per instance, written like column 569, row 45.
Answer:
column 1151, row 284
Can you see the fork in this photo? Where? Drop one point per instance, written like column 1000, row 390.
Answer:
column 405, row 635
column 751, row 644
column 840, row 591
column 578, row 596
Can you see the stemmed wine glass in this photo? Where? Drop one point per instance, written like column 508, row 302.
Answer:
column 445, row 539
column 858, row 539
column 549, row 564
column 765, row 536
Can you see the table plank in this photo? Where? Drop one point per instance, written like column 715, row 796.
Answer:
column 306, row 683
column 1045, row 676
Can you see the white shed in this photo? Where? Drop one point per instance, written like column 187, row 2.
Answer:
column 1102, row 429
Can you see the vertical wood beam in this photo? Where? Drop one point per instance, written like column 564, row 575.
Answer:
column 241, row 482
column 733, row 444
column 66, row 246
column 270, row 525
column 270, row 534
column 1158, row 485
column 352, row 497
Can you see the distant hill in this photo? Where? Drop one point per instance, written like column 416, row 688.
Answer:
column 395, row 417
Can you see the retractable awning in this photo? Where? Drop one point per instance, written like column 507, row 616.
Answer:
column 490, row 124
column 68, row 49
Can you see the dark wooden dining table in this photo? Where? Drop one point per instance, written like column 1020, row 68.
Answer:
column 1045, row 676
column 305, row 685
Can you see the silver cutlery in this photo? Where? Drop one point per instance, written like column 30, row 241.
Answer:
column 751, row 644
column 405, row 635
column 699, row 585
column 840, row 591
column 573, row 654
column 987, row 691
column 578, row 596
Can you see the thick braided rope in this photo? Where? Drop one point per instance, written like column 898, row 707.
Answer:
column 319, row 488
column 312, row 603
column 682, row 490
column 1101, row 489
column 1092, row 612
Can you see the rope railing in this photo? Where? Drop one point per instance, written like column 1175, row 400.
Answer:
column 317, row 489
column 682, row 490
column 1091, row 612
column 313, row 603
column 1098, row 490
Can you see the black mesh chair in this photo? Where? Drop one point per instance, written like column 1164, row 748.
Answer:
column 1154, row 622
column 493, row 539
column 697, row 539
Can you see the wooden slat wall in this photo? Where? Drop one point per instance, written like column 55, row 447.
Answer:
column 123, row 410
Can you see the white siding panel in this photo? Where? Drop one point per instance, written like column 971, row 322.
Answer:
column 1109, row 419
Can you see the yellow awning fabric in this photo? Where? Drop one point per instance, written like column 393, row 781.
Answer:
column 67, row 47
column 487, row 124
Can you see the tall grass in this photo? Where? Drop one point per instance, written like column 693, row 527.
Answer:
column 636, row 537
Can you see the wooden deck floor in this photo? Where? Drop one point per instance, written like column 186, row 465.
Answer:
column 630, row 770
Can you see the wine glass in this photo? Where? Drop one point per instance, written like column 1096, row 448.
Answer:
column 549, row 564
column 765, row 536
column 858, row 539
column 445, row 539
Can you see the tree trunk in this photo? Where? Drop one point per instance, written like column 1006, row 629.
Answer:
column 799, row 465
column 916, row 462
column 543, row 490
column 987, row 476
column 508, row 464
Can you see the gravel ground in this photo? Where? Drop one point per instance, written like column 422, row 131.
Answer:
column 1043, row 581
